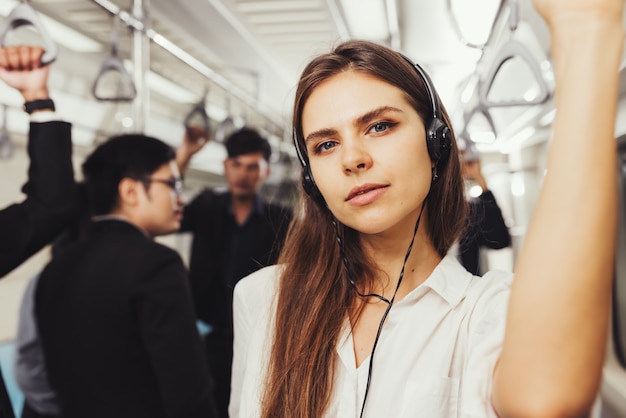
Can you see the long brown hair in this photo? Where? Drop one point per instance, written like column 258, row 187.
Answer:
column 315, row 292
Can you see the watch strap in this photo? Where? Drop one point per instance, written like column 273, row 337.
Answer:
column 42, row 104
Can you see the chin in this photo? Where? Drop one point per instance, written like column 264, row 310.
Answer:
column 372, row 222
column 170, row 229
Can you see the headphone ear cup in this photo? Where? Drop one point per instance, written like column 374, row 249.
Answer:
column 309, row 186
column 438, row 140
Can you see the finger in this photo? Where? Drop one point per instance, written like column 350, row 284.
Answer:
column 196, row 134
column 13, row 59
column 35, row 56
column 23, row 53
column 3, row 58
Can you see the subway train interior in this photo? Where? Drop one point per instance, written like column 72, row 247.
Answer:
column 153, row 66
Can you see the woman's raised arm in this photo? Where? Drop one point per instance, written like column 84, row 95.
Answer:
column 553, row 352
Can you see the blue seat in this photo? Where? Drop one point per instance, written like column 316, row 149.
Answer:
column 7, row 355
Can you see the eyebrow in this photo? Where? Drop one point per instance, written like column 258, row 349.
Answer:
column 359, row 121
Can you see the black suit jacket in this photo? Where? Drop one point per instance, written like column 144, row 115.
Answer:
column 210, row 219
column 486, row 228
column 30, row 225
column 50, row 194
column 118, row 330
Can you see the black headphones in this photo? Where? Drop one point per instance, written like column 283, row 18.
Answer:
column 438, row 138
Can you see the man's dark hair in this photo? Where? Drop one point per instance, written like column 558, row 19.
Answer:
column 247, row 141
column 132, row 155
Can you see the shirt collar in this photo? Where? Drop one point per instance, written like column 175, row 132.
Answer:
column 99, row 222
column 256, row 208
column 449, row 280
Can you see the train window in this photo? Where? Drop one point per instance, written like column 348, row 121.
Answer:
column 619, row 292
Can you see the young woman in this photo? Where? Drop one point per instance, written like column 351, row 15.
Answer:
column 366, row 315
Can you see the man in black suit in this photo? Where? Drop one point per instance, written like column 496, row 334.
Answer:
column 114, row 310
column 235, row 233
column 30, row 225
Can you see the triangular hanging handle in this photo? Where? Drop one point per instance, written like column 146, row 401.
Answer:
column 224, row 129
column 510, row 50
column 23, row 14
column 459, row 32
column 199, row 112
column 226, row 126
column 480, row 109
column 114, row 63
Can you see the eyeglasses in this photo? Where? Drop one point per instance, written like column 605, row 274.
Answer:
column 174, row 183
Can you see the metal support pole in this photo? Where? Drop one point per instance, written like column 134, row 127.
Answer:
column 141, row 65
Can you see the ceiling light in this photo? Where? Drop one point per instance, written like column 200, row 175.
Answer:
column 366, row 19
column 179, row 94
column 288, row 17
column 68, row 37
column 170, row 89
column 276, row 6
column 483, row 137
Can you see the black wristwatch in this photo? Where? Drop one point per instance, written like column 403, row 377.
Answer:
column 42, row 104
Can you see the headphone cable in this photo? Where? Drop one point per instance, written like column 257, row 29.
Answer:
column 380, row 297
column 384, row 317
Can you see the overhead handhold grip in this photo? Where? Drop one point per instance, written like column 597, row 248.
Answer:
column 478, row 110
column 198, row 112
column 459, row 32
column 23, row 14
column 226, row 127
column 510, row 50
column 113, row 63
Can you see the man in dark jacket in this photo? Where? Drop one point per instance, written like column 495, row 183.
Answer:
column 234, row 234
column 486, row 227
column 30, row 225
column 114, row 311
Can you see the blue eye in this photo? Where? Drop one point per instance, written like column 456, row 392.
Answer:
column 380, row 127
column 324, row 146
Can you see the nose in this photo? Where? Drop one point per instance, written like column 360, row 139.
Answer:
column 355, row 157
column 179, row 199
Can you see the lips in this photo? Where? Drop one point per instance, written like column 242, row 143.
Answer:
column 364, row 189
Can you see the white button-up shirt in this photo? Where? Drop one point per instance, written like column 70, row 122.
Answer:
column 435, row 357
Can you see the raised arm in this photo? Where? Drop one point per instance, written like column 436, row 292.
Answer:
column 551, row 361
column 193, row 141
column 50, row 189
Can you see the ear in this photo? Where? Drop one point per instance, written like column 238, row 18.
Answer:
column 128, row 192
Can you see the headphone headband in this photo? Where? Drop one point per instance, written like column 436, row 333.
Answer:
column 438, row 138
column 429, row 87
